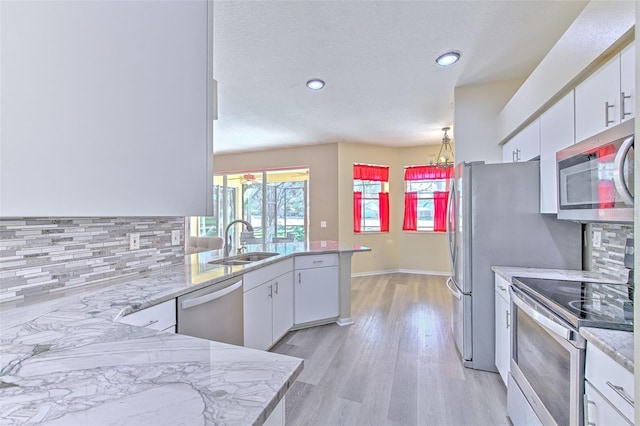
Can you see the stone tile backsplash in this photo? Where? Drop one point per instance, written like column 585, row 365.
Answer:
column 45, row 255
column 609, row 257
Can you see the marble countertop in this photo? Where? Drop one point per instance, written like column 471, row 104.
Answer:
column 617, row 344
column 508, row 272
column 64, row 360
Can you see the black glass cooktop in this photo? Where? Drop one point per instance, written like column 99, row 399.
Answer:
column 583, row 304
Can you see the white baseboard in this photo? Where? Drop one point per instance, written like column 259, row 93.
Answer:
column 401, row 271
column 345, row 321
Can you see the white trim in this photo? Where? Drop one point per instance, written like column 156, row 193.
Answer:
column 345, row 321
column 401, row 271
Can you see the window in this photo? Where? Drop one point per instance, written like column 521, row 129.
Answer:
column 274, row 202
column 426, row 197
column 370, row 198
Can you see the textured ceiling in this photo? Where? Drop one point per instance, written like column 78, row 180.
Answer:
column 378, row 60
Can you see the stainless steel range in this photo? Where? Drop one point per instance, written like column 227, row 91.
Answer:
column 546, row 382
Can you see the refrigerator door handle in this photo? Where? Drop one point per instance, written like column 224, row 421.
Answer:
column 451, row 233
column 451, row 286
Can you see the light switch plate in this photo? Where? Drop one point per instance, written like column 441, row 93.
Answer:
column 323, row 224
column 175, row 237
column 597, row 239
column 134, row 241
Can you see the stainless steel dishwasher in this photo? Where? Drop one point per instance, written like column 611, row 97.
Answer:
column 213, row 313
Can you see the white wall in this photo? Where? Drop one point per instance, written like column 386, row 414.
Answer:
column 475, row 118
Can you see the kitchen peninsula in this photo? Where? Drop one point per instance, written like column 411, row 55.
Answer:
column 66, row 361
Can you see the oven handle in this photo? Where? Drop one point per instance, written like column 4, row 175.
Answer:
column 618, row 171
column 540, row 318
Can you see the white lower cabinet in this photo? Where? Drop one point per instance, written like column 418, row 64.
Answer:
column 276, row 418
column 159, row 317
column 599, row 411
column 609, row 390
column 502, row 328
column 268, row 305
column 316, row 288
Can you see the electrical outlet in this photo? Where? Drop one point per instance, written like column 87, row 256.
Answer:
column 323, row 224
column 134, row 241
column 597, row 239
column 175, row 237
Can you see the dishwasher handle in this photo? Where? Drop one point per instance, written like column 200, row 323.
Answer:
column 196, row 301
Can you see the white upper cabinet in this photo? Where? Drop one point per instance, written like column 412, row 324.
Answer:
column 107, row 108
column 524, row 146
column 599, row 98
column 556, row 133
column 628, row 82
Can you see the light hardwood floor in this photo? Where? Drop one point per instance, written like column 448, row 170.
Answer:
column 397, row 365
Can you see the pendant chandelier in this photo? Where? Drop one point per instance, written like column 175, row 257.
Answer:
column 445, row 156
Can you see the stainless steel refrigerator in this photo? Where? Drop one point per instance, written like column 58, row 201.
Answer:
column 494, row 220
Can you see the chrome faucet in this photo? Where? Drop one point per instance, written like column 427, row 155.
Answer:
column 227, row 238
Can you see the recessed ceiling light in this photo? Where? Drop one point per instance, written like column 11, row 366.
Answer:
column 315, row 84
column 447, row 59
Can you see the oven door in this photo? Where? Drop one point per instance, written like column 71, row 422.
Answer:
column 547, row 361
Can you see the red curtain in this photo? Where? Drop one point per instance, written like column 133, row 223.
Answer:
column 410, row 211
column 357, row 211
column 384, row 211
column 440, row 199
column 427, row 172
column 368, row 172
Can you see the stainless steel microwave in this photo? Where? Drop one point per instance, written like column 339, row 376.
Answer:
column 595, row 177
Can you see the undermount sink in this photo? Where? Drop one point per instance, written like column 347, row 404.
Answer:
column 243, row 259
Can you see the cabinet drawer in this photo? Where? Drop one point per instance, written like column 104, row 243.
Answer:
column 158, row 317
column 598, row 411
column 604, row 374
column 316, row 261
column 255, row 278
column 502, row 288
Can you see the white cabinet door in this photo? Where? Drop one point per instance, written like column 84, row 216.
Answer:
column 598, row 411
column 282, row 305
column 258, row 317
column 509, row 151
column 524, row 146
column 106, row 108
column 628, row 82
column 502, row 328
column 556, row 133
column 598, row 101
column 316, row 294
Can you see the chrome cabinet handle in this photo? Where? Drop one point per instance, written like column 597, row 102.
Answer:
column 620, row 391
column 586, row 410
column 270, row 291
column 151, row 323
column 276, row 287
column 514, row 159
column 508, row 318
column 623, row 113
column 318, row 261
column 299, row 277
column 518, row 151
column 606, row 114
